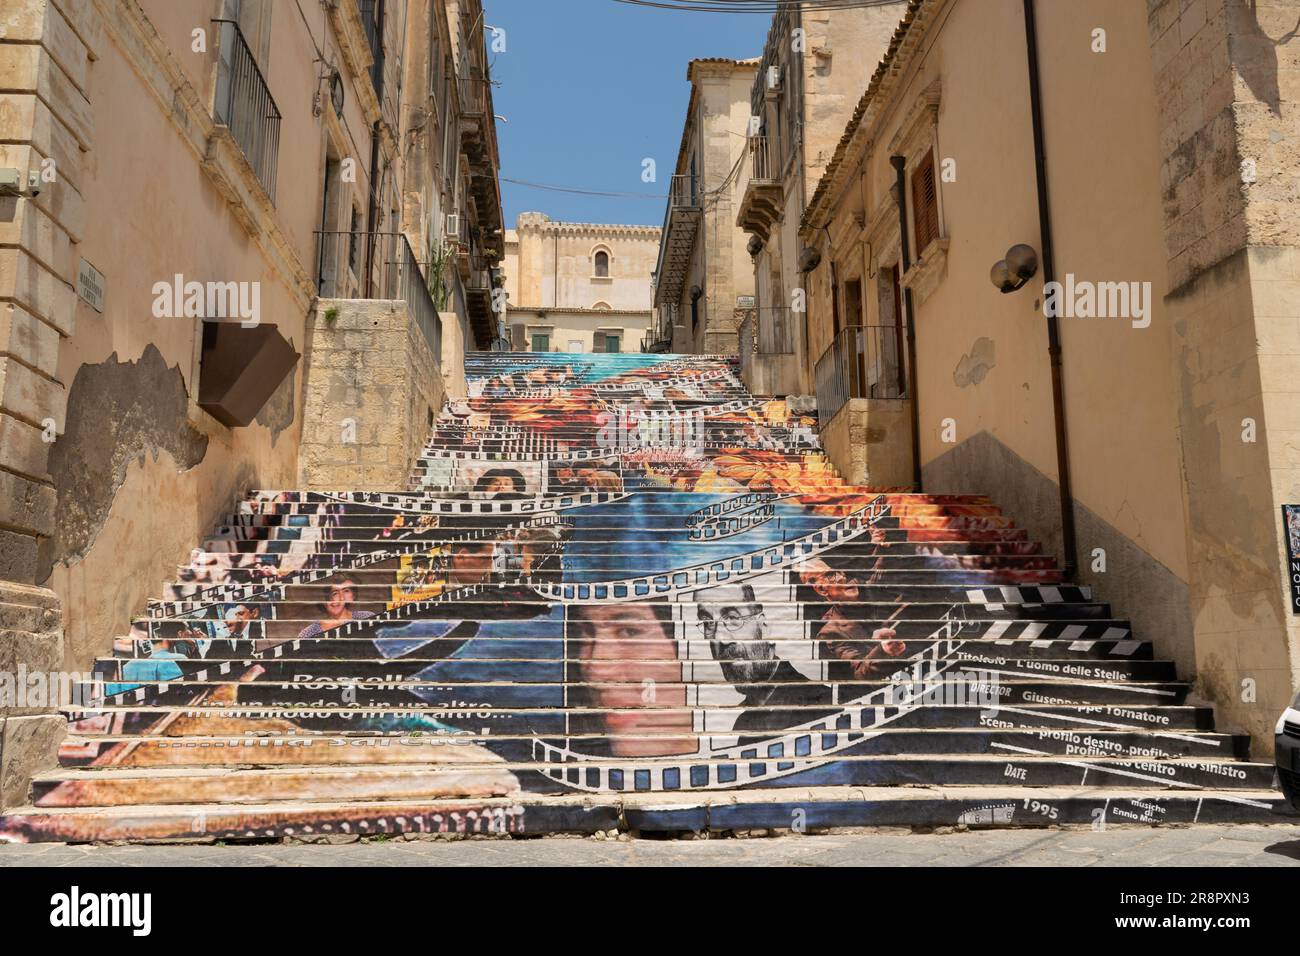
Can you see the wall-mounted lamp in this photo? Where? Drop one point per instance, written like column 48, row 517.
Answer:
column 809, row 259
column 1011, row 273
column 754, row 246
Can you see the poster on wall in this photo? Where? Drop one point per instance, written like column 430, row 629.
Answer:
column 1291, row 521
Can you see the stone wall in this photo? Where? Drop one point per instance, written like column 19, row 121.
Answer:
column 373, row 388
column 870, row 441
column 1227, row 77
column 31, row 642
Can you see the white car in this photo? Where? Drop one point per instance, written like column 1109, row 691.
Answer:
column 1288, row 752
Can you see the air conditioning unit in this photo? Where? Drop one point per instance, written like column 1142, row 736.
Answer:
column 451, row 228
column 773, row 78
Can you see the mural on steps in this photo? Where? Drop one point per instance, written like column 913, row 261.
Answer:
column 614, row 576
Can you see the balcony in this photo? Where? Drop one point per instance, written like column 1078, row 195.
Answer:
column 760, row 207
column 865, row 409
column 244, row 105
column 863, row 361
column 378, row 265
column 478, row 138
column 479, row 287
column 677, row 240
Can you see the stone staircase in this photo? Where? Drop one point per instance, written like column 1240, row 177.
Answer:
column 623, row 593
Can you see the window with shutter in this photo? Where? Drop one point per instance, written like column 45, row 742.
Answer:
column 925, row 203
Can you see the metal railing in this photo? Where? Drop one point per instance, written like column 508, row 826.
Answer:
column 661, row 336
column 760, row 160
column 863, row 361
column 683, row 192
column 244, row 105
column 378, row 265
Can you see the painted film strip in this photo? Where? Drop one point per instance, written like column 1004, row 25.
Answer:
column 460, row 506
column 813, row 743
column 219, row 594
column 737, row 568
column 721, row 520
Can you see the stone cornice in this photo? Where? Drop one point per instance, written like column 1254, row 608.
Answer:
column 916, row 132
column 595, row 229
column 219, row 156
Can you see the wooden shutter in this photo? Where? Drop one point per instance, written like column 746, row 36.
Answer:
column 925, row 203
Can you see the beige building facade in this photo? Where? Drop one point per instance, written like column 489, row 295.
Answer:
column 704, row 284
column 577, row 286
column 204, row 188
column 815, row 64
column 1164, row 402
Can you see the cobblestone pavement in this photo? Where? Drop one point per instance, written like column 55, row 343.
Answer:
column 1200, row 846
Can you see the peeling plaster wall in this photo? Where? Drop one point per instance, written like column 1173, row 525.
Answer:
column 118, row 413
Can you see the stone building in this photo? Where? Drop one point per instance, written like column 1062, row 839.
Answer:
column 704, row 282
column 815, row 64
column 578, row 286
column 1140, row 414
column 229, row 229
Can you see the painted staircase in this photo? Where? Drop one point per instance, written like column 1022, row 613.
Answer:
column 622, row 592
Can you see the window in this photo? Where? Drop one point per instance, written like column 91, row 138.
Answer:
column 607, row 341
column 541, row 342
column 925, row 203
column 601, row 264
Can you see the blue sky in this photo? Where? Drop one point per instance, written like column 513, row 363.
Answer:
column 588, row 88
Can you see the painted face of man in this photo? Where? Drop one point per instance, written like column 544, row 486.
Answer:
column 830, row 584
column 736, row 634
column 471, row 563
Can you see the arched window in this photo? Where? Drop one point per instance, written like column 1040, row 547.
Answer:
column 601, row 262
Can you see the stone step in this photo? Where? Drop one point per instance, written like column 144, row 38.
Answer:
column 698, row 662
column 469, row 771
column 986, row 688
column 302, row 749
column 551, row 721
column 451, row 640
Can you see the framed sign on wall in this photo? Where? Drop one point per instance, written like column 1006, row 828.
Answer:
column 1291, row 524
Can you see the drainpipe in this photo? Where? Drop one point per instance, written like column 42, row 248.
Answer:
column 372, row 208
column 1068, row 541
column 900, row 180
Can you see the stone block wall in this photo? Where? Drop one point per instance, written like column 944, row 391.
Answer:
column 372, row 389
column 870, row 441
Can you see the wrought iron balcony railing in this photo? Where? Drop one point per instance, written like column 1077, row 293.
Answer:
column 863, row 361
column 378, row 265
column 244, row 105
column 760, row 160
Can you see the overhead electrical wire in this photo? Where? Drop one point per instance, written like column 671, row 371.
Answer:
column 754, row 6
